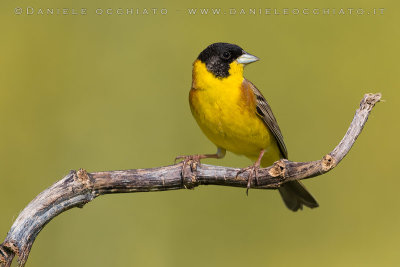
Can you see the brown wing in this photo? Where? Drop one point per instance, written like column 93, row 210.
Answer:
column 265, row 113
column 293, row 193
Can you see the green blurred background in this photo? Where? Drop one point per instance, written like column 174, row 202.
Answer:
column 111, row 92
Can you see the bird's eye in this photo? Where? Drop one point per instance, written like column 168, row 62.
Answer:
column 226, row 55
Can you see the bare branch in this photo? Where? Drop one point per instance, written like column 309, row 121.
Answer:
column 79, row 187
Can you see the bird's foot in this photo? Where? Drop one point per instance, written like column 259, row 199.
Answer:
column 192, row 160
column 253, row 174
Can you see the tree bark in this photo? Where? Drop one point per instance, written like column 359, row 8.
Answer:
column 79, row 187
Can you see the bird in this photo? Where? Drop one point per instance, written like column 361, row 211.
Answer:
column 236, row 117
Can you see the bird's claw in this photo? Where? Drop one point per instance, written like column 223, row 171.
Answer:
column 253, row 173
column 192, row 160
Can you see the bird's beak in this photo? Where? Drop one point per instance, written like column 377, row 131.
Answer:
column 246, row 58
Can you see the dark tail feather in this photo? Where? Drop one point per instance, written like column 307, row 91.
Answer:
column 295, row 195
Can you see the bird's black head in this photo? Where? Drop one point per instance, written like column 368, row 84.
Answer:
column 219, row 56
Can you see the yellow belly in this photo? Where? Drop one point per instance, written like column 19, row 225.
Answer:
column 231, row 126
column 226, row 113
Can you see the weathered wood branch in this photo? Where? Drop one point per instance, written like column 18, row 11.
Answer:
column 79, row 187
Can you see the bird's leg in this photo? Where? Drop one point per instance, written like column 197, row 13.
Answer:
column 194, row 160
column 253, row 171
column 219, row 155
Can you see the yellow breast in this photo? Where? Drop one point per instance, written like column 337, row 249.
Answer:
column 226, row 112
